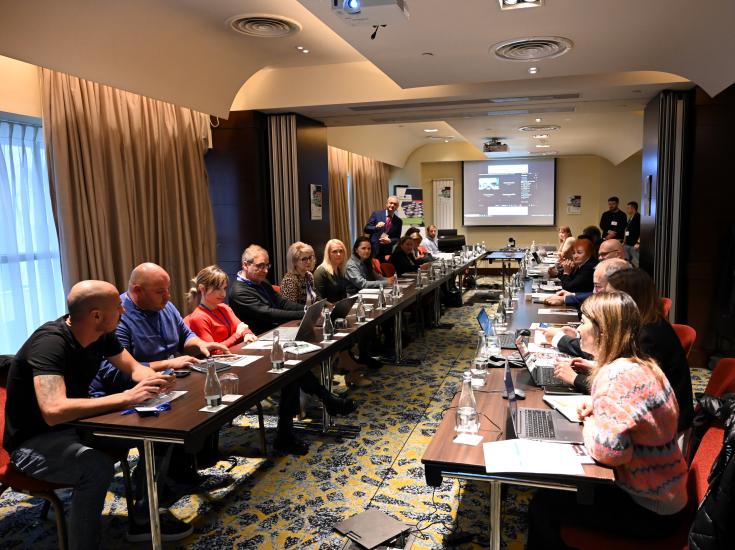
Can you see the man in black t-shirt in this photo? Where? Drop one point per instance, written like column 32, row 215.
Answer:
column 613, row 220
column 48, row 386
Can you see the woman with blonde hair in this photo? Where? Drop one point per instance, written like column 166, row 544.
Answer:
column 329, row 277
column 630, row 425
column 211, row 319
column 565, row 233
column 297, row 284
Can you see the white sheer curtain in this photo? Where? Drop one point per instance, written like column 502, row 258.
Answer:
column 31, row 291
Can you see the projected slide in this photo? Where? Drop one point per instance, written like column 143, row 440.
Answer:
column 509, row 192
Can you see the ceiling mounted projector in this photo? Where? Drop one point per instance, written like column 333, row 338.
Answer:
column 371, row 12
column 494, row 146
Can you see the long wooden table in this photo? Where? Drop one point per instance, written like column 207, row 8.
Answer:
column 444, row 458
column 186, row 425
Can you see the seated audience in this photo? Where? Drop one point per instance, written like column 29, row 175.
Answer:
column 599, row 281
column 254, row 301
column 211, row 319
column 384, row 228
column 609, row 249
column 329, row 277
column 359, row 271
column 47, row 388
column 418, row 254
column 403, row 258
column 631, row 426
column 297, row 284
column 577, row 272
column 430, row 242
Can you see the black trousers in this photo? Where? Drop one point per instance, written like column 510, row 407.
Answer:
column 288, row 406
column 613, row 510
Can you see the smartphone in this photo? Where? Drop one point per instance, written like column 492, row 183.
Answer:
column 180, row 373
column 168, row 372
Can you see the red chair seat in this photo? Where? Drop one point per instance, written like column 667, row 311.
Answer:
column 18, row 481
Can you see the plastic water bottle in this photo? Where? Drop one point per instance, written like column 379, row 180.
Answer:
column 481, row 350
column 381, row 298
column 418, row 278
column 212, row 387
column 328, row 328
column 396, row 291
column 277, row 356
column 466, row 421
column 360, row 311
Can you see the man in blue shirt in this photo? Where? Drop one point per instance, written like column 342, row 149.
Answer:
column 152, row 330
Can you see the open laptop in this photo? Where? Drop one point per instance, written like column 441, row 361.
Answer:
column 542, row 374
column 539, row 424
column 342, row 308
column 305, row 330
column 506, row 341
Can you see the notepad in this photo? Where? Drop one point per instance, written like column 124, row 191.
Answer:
column 533, row 457
column 567, row 405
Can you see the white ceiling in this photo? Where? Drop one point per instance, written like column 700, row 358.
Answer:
column 182, row 51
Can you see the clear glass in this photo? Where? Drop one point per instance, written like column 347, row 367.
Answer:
column 479, row 371
column 360, row 311
column 328, row 328
column 212, row 386
column 493, row 346
column 277, row 356
column 230, row 383
column 368, row 311
column 466, row 418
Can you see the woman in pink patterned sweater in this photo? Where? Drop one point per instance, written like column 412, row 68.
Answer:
column 630, row 426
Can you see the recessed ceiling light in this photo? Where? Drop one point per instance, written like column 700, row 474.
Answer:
column 532, row 70
column 446, row 141
column 431, row 130
column 514, row 4
column 299, row 47
column 538, row 119
column 542, row 146
column 304, row 51
column 541, row 136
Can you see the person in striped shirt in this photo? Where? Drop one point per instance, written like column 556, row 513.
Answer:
column 631, row 426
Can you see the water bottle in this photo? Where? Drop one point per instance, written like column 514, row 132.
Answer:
column 533, row 247
column 418, row 278
column 396, row 293
column 466, row 421
column 328, row 328
column 277, row 355
column 360, row 311
column 212, row 387
column 381, row 298
column 481, row 344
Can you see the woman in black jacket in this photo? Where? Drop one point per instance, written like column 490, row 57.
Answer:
column 578, row 272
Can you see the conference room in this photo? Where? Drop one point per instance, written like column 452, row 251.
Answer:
column 180, row 133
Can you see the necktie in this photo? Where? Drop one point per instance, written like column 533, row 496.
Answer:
column 388, row 223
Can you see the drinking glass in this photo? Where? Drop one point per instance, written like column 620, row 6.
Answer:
column 230, row 383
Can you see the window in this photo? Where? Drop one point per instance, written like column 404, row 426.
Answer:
column 31, row 291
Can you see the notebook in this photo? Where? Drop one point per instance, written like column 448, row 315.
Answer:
column 539, row 424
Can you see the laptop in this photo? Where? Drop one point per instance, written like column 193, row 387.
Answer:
column 506, row 341
column 539, row 424
column 342, row 308
column 542, row 375
column 305, row 330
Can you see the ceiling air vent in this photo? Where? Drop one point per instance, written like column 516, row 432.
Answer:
column 264, row 26
column 539, row 128
column 531, row 49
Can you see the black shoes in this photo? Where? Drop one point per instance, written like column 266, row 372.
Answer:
column 338, row 406
column 290, row 444
column 172, row 529
column 371, row 363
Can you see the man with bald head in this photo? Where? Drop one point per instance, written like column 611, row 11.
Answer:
column 152, row 330
column 609, row 249
column 384, row 229
column 48, row 386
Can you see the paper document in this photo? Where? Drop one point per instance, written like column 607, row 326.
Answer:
column 245, row 360
column 532, row 457
column 558, row 311
column 567, row 404
column 533, row 347
column 161, row 399
column 365, row 291
column 259, row 344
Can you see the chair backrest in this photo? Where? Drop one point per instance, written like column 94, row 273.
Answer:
column 687, row 335
column 722, row 379
column 4, row 367
column 387, row 269
column 666, row 306
column 376, row 265
column 701, row 465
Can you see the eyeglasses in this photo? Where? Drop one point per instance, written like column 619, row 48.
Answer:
column 307, row 259
column 260, row 267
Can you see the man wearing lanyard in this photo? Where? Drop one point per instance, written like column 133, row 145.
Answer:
column 384, row 228
column 254, row 301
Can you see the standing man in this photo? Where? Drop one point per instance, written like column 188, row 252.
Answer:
column 632, row 234
column 430, row 242
column 613, row 221
column 48, row 386
column 384, row 229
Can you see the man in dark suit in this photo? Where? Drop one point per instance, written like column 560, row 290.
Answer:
column 384, row 229
column 254, row 301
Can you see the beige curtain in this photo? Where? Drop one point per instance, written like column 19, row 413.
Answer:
column 339, row 204
column 128, row 183
column 371, row 187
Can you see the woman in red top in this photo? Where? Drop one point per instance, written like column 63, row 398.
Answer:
column 211, row 319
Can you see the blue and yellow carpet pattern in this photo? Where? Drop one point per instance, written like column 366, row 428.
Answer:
column 281, row 502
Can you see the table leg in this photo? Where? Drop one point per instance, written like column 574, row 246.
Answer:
column 397, row 332
column 326, row 371
column 495, row 503
column 150, row 479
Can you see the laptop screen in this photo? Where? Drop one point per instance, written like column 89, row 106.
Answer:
column 522, row 348
column 485, row 323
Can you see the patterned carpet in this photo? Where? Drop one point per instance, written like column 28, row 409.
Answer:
column 292, row 502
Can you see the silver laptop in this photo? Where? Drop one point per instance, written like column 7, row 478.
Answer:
column 305, row 330
column 539, row 424
column 542, row 375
